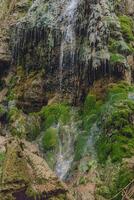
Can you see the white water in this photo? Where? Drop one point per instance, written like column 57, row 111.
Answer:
column 67, row 20
column 90, row 147
column 65, row 155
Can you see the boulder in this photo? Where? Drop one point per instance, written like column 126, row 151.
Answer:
column 26, row 176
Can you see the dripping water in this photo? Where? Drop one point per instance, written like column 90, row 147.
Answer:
column 65, row 155
column 67, row 20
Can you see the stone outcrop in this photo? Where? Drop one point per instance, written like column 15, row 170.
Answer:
column 11, row 11
column 97, row 47
column 25, row 175
column 127, row 7
column 38, row 43
column 31, row 95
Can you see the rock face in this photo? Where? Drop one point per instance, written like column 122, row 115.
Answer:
column 55, row 54
column 27, row 176
column 72, row 41
column 127, row 7
column 31, row 94
column 11, row 11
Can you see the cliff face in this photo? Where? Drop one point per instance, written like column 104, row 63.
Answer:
column 11, row 11
column 26, row 175
column 66, row 85
column 76, row 46
column 72, row 44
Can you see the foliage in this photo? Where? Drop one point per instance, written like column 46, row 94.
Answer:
column 23, row 126
column 89, row 114
column 80, row 146
column 117, row 138
column 52, row 114
column 124, row 177
column 17, row 121
column 91, row 111
column 118, row 46
column 2, row 157
column 117, row 58
column 50, row 139
column 33, row 126
column 127, row 26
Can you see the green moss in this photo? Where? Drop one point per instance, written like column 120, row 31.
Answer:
column 17, row 121
column 117, row 58
column 117, row 138
column 14, row 167
column 80, row 146
column 3, row 110
column 90, row 103
column 124, row 177
column 50, row 139
column 33, row 126
column 2, row 157
column 82, row 180
column 22, row 125
column 89, row 115
column 50, row 158
column 53, row 113
column 128, row 131
column 91, row 111
column 119, row 46
column 117, row 92
column 11, row 93
column 127, row 26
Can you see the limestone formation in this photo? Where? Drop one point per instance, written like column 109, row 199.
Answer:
column 25, row 175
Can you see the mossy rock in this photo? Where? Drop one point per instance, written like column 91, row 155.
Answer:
column 54, row 113
column 14, row 167
column 22, row 125
column 117, row 59
column 127, row 26
column 117, row 139
column 80, row 145
column 50, row 139
column 120, row 46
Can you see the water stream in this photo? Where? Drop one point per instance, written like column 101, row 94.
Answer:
column 65, row 155
column 67, row 20
column 66, row 150
column 90, row 147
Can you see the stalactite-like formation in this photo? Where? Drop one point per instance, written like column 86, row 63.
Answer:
column 38, row 43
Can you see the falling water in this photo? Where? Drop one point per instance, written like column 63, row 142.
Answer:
column 65, row 155
column 94, row 133
column 67, row 20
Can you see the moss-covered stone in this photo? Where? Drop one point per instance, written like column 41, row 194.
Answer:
column 26, row 175
column 22, row 125
column 54, row 113
column 119, row 46
column 117, row 125
column 117, row 59
column 127, row 26
column 50, row 139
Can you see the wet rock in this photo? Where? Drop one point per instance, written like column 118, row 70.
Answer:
column 31, row 95
column 26, row 175
column 11, row 11
column 41, row 40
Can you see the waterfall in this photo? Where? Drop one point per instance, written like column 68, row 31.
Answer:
column 67, row 20
column 94, row 134
column 65, row 155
